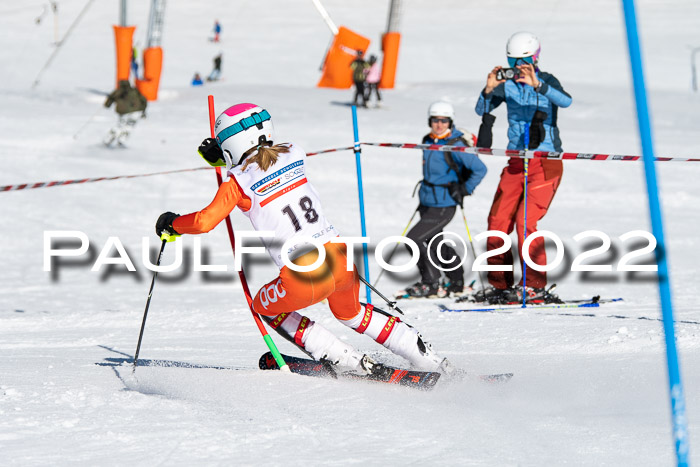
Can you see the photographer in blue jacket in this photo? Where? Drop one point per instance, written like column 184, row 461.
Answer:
column 533, row 98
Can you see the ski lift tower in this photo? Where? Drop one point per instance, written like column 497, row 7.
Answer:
column 390, row 46
column 155, row 24
column 123, row 37
column 153, row 53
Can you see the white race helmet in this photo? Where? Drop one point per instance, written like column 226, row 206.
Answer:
column 441, row 109
column 523, row 44
column 241, row 127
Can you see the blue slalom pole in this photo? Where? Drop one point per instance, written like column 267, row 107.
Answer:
column 525, row 165
column 358, row 165
column 678, row 416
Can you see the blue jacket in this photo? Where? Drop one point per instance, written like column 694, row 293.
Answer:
column 522, row 101
column 437, row 173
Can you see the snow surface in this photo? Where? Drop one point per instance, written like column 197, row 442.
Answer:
column 590, row 386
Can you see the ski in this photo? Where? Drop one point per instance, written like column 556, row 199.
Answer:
column 594, row 302
column 423, row 380
column 404, row 296
column 412, row 378
column 548, row 298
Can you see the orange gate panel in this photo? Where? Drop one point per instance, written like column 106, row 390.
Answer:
column 343, row 50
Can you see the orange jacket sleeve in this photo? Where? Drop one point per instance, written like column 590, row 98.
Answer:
column 227, row 198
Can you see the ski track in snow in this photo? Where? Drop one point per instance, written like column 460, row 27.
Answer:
column 588, row 390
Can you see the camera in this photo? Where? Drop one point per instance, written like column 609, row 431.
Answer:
column 507, row 73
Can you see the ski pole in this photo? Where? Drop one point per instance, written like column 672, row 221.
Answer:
column 358, row 169
column 166, row 238
column 471, row 243
column 525, row 165
column 60, row 43
column 379, row 276
column 75, row 135
column 266, row 337
column 391, row 304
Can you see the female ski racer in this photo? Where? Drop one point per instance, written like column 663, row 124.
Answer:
column 268, row 182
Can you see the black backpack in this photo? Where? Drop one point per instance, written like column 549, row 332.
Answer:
column 358, row 73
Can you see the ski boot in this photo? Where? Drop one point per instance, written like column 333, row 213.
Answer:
column 455, row 288
column 533, row 295
column 422, row 290
column 123, row 135
column 536, row 295
column 109, row 139
column 493, row 296
column 400, row 338
column 374, row 368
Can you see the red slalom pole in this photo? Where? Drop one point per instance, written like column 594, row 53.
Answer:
column 229, row 226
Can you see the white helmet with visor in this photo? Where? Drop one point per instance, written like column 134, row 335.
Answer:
column 523, row 47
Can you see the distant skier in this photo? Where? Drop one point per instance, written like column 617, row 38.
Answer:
column 359, row 69
column 373, row 77
column 447, row 178
column 217, row 31
column 533, row 98
column 216, row 71
column 197, row 80
column 128, row 101
column 268, row 182
column 134, row 62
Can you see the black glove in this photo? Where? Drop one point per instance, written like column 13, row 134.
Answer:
column 165, row 223
column 211, row 151
column 485, row 138
column 457, row 191
column 537, row 132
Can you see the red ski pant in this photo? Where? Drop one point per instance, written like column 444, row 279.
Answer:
column 292, row 290
column 507, row 211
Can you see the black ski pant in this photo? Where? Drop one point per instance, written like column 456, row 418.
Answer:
column 360, row 92
column 432, row 220
column 372, row 87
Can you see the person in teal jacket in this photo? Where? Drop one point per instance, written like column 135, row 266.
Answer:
column 447, row 178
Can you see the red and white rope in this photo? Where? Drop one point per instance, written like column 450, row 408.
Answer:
column 433, row 147
column 330, row 150
column 528, row 154
column 25, row 186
